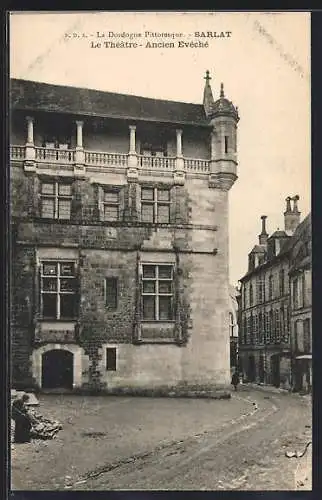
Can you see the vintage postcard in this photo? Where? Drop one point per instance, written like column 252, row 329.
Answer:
column 160, row 327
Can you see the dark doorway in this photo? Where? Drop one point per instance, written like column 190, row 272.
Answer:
column 261, row 369
column 251, row 369
column 275, row 370
column 57, row 369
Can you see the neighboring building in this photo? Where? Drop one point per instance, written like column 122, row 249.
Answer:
column 233, row 327
column 264, row 330
column 119, row 212
column 301, row 307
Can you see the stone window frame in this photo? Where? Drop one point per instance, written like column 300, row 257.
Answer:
column 58, row 292
column 162, row 185
column 157, row 294
column 115, row 188
column 111, row 348
column 111, row 204
column 108, row 306
column 155, row 202
column 56, row 196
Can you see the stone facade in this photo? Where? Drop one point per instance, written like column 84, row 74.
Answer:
column 120, row 241
column 266, row 316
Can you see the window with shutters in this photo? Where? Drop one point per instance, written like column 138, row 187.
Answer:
column 155, row 205
column 157, row 292
column 270, row 287
column 307, row 335
column 271, row 326
column 56, row 199
column 282, row 282
column 277, row 326
column 111, row 293
column 111, row 359
column 251, row 294
column 58, row 290
column 260, row 289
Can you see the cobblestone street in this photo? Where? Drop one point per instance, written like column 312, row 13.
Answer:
column 174, row 444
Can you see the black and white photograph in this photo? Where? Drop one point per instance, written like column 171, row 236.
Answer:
column 161, row 251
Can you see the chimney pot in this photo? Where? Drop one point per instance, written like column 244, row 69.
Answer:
column 263, row 236
column 291, row 217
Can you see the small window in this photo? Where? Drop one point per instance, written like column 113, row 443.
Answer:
column 226, row 143
column 111, row 293
column 111, row 358
column 111, row 205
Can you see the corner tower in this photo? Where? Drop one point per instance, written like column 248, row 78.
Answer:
column 223, row 166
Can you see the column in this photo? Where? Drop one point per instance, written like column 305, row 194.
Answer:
column 132, row 139
column 79, row 139
column 30, row 130
column 133, row 162
column 179, row 176
column 79, row 168
column 179, row 142
column 30, row 152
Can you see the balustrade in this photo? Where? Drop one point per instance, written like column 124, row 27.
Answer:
column 97, row 158
column 156, row 162
column 196, row 165
column 56, row 155
column 17, row 152
column 102, row 159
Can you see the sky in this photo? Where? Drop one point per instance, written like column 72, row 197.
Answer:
column 264, row 64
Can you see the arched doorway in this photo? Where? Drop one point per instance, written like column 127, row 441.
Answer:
column 57, row 369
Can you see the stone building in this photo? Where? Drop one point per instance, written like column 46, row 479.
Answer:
column 119, row 213
column 301, row 307
column 265, row 316
column 233, row 327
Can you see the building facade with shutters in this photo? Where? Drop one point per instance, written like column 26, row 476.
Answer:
column 119, row 215
column 233, row 327
column 266, row 323
column 301, row 307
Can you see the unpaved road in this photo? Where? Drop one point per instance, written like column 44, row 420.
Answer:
column 245, row 454
column 172, row 444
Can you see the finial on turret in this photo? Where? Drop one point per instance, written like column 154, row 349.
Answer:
column 208, row 100
column 207, row 77
column 222, row 94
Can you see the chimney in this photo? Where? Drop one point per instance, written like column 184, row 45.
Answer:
column 208, row 99
column 263, row 236
column 291, row 217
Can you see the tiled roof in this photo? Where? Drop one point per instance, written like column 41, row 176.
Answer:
column 258, row 249
column 301, row 232
column 30, row 95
